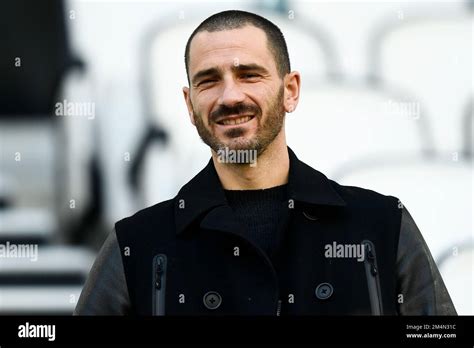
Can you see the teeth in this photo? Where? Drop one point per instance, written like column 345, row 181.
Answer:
column 236, row 121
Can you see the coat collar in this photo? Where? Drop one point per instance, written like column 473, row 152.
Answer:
column 204, row 193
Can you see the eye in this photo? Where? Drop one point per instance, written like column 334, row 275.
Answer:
column 206, row 82
column 249, row 76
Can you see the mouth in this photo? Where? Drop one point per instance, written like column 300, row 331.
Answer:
column 235, row 120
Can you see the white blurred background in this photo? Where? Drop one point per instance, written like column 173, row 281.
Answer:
column 386, row 104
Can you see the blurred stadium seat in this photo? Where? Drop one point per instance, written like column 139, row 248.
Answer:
column 454, row 264
column 336, row 123
column 36, row 160
column 38, row 300
column 468, row 134
column 36, row 157
column 27, row 225
column 438, row 193
column 426, row 54
column 49, row 285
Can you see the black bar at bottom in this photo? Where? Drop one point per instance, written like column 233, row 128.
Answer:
column 260, row 330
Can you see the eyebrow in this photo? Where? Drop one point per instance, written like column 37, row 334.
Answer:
column 250, row 67
column 235, row 68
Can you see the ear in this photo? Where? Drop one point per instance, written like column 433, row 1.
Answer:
column 292, row 84
column 189, row 105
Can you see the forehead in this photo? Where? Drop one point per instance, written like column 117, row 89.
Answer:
column 220, row 48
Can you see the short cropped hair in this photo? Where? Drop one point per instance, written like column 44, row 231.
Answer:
column 234, row 19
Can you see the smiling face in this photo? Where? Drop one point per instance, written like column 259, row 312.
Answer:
column 236, row 96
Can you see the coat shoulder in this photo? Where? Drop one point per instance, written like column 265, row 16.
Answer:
column 372, row 209
column 158, row 217
column 362, row 197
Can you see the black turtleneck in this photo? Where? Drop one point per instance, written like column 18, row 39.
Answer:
column 261, row 212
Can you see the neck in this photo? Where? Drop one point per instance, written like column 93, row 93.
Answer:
column 271, row 169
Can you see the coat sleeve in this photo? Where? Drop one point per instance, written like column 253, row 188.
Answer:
column 418, row 277
column 105, row 291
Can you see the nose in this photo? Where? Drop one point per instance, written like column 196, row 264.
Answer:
column 231, row 93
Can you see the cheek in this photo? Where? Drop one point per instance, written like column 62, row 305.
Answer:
column 264, row 103
column 260, row 94
column 204, row 102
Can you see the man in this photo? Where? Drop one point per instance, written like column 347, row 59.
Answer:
column 258, row 232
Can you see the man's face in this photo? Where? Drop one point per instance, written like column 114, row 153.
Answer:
column 235, row 98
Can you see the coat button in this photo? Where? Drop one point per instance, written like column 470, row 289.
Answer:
column 309, row 216
column 324, row 291
column 212, row 300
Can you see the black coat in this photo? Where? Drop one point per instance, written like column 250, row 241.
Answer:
column 185, row 256
column 197, row 235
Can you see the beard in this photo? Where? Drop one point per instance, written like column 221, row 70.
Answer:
column 269, row 126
